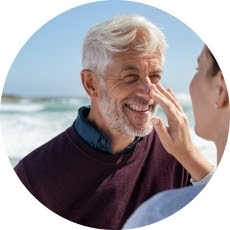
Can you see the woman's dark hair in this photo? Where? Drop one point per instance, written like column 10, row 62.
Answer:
column 215, row 66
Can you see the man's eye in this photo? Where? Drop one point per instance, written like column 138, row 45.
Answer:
column 131, row 77
column 155, row 78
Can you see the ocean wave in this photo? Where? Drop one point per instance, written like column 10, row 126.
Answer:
column 38, row 107
column 17, row 108
column 184, row 98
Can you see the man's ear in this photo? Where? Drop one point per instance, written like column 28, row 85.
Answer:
column 90, row 82
column 223, row 99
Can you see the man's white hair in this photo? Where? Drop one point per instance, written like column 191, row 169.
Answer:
column 115, row 36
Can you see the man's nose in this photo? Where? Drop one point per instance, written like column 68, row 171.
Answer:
column 144, row 88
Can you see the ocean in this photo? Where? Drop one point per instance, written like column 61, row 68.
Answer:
column 27, row 123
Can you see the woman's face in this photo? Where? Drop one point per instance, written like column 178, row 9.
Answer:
column 202, row 91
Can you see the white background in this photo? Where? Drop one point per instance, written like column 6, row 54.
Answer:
column 21, row 19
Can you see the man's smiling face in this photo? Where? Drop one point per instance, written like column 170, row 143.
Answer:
column 125, row 101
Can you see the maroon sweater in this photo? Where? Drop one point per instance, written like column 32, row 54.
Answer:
column 94, row 189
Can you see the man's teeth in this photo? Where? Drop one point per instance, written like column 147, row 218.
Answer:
column 139, row 108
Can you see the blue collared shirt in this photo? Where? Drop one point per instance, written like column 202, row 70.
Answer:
column 92, row 136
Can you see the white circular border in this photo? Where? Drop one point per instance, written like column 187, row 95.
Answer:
column 21, row 19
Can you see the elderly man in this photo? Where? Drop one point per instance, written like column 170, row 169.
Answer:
column 110, row 160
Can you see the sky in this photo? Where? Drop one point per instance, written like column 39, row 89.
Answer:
column 49, row 63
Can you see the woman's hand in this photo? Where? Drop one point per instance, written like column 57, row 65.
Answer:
column 176, row 137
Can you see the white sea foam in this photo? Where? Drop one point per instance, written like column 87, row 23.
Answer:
column 184, row 98
column 20, row 108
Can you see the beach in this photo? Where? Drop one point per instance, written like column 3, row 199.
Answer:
column 27, row 123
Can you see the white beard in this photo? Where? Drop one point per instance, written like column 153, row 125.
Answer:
column 118, row 120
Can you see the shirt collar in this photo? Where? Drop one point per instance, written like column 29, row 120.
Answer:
column 92, row 136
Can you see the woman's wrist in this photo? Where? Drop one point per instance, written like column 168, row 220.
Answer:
column 195, row 163
column 205, row 179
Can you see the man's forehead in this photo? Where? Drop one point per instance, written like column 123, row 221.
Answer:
column 141, row 62
column 143, row 65
column 137, row 57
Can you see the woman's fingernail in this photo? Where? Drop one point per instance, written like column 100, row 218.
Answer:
column 152, row 86
column 158, row 84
